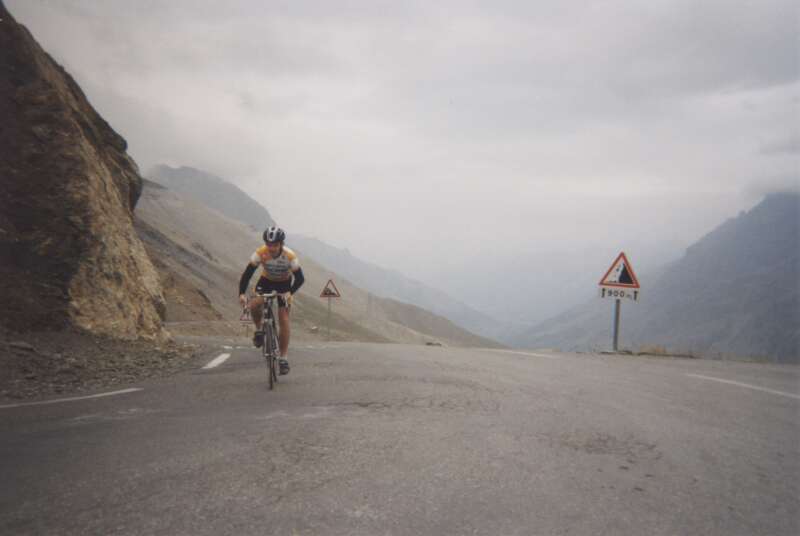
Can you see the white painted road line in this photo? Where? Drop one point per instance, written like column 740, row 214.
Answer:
column 57, row 400
column 217, row 361
column 747, row 385
column 526, row 353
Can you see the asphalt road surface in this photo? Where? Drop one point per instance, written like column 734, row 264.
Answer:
column 391, row 439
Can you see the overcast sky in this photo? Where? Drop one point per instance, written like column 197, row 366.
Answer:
column 418, row 133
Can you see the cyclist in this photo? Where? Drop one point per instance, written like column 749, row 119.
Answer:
column 281, row 273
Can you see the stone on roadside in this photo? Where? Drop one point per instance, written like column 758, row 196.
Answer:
column 22, row 345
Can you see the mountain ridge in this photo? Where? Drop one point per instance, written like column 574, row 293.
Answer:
column 735, row 292
column 212, row 191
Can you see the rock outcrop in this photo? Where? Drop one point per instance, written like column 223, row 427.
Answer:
column 69, row 255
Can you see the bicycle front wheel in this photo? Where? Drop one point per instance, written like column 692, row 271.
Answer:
column 275, row 352
column 269, row 353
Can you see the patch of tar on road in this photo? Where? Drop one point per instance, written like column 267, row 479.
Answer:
column 430, row 403
column 625, row 463
column 361, row 407
column 317, row 412
column 120, row 415
column 323, row 364
column 631, row 449
column 274, row 415
column 304, row 413
column 428, row 381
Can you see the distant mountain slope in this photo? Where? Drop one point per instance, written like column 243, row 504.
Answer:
column 201, row 253
column 226, row 198
column 735, row 292
column 394, row 285
column 197, row 288
column 214, row 192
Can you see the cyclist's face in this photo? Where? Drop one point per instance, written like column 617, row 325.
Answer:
column 274, row 248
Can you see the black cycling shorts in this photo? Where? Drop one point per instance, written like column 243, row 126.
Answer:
column 264, row 285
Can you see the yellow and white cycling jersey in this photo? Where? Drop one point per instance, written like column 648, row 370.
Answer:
column 277, row 269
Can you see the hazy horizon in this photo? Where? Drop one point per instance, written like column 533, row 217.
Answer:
column 456, row 142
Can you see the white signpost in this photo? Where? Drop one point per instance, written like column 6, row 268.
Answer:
column 330, row 291
column 619, row 283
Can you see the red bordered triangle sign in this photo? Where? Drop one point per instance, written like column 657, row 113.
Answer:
column 620, row 274
column 330, row 290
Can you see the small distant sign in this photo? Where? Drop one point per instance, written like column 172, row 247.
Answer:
column 620, row 280
column 330, row 291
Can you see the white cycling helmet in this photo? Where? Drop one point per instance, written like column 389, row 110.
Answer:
column 274, row 234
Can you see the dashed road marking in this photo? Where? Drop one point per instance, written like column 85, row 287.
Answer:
column 527, row 353
column 72, row 399
column 747, row 385
column 217, row 361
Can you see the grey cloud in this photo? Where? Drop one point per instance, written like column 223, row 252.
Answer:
column 785, row 146
column 788, row 182
column 553, row 73
column 540, row 117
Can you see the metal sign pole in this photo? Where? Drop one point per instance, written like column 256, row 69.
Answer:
column 619, row 282
column 329, row 320
column 616, row 325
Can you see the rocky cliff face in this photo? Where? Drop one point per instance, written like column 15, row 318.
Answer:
column 70, row 255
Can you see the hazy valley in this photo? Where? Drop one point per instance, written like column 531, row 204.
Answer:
column 208, row 250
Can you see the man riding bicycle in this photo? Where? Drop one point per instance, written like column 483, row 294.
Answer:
column 280, row 273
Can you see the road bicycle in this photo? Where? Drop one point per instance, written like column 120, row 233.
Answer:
column 269, row 341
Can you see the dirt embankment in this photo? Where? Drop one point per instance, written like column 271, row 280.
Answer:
column 39, row 364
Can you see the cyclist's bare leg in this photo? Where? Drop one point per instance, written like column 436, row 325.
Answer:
column 257, row 311
column 285, row 330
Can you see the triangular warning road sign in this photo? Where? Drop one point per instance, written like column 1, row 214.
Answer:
column 330, row 291
column 620, row 274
